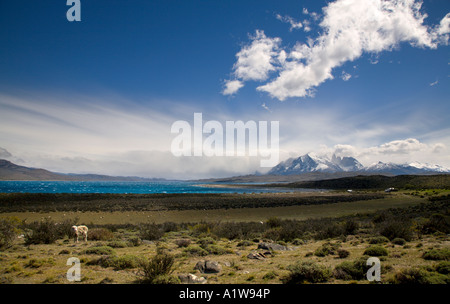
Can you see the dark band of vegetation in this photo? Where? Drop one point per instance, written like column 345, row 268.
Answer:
column 375, row 182
column 48, row 202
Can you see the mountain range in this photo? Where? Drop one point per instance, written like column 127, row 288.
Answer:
column 11, row 171
column 311, row 163
column 305, row 167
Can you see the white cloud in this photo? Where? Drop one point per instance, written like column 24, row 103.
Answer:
column 254, row 62
column 232, row 86
column 4, row 153
column 287, row 19
column 404, row 146
column 264, row 106
column 345, row 76
column 434, row 83
column 350, row 28
column 396, row 151
column 442, row 32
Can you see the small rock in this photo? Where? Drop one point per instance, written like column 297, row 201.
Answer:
column 191, row 279
column 256, row 255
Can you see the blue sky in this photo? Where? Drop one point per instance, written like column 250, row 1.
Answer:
column 100, row 95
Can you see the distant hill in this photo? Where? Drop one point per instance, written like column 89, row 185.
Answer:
column 440, row 181
column 11, row 171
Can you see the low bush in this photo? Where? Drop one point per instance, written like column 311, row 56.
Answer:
column 150, row 232
column 44, row 232
column 437, row 254
column 342, row 253
column 157, row 270
column 217, row 250
column 298, row 242
column 326, row 249
column 100, row 250
column 393, row 228
column 37, row 263
column 443, row 267
column 100, row 234
column 183, row 242
column 194, row 250
column 399, row 241
column 203, row 242
column 376, row 251
column 8, row 231
column 436, row 223
column 244, row 243
column 350, row 227
column 308, row 271
column 419, row 276
column 352, row 270
column 117, row 262
column 134, row 241
column 118, row 244
column 378, row 240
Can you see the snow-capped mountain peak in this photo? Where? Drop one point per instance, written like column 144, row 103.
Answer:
column 315, row 163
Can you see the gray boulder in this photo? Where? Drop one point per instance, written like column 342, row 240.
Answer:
column 208, row 267
column 272, row 246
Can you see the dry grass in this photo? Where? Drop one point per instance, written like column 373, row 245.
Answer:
column 47, row 263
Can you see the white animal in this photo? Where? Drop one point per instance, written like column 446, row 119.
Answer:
column 80, row 230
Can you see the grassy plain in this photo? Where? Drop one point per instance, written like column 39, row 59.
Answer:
column 333, row 234
column 245, row 214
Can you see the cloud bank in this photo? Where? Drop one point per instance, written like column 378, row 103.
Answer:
column 350, row 28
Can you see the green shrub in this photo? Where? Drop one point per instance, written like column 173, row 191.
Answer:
column 37, row 263
column 118, row 244
column 350, row 227
column 183, row 242
column 203, row 242
column 270, row 275
column 378, row 240
column 443, row 267
column 217, row 250
column 376, row 251
column 437, row 254
column 396, row 229
column 8, row 231
column 195, row 251
column 273, row 222
column 307, row 271
column 151, row 232
column 100, row 234
column 100, row 250
column 156, row 270
column 298, row 242
column 42, row 233
column 127, row 261
column 342, row 253
column 352, row 270
column 326, row 249
column 134, row 241
column 201, row 228
column 244, row 243
column 399, row 241
column 436, row 223
column 419, row 276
